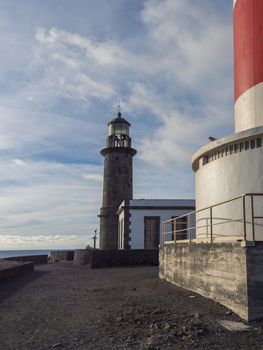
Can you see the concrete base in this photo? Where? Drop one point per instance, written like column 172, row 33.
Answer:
column 226, row 272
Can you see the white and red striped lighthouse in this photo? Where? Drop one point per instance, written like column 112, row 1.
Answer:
column 232, row 166
column 248, row 63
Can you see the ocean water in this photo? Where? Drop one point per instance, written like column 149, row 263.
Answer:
column 12, row 253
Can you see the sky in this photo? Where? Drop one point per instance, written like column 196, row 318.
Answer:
column 64, row 67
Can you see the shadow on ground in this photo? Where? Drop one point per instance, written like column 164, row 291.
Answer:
column 9, row 287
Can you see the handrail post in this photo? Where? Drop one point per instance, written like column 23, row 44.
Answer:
column 174, row 224
column 244, row 219
column 163, row 233
column 252, row 217
column 189, row 230
column 211, row 224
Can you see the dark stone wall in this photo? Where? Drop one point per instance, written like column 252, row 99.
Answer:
column 82, row 257
column 114, row 258
column 216, row 271
column 117, row 181
column 108, row 229
column 255, row 281
column 36, row 259
column 66, row 255
column 16, row 270
column 117, row 186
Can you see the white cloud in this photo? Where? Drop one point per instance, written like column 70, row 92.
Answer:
column 191, row 53
column 41, row 198
column 65, row 62
column 180, row 132
column 19, row 162
column 173, row 76
column 94, row 177
column 106, row 53
column 10, row 242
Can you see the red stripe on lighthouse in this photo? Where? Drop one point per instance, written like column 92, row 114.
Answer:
column 248, row 45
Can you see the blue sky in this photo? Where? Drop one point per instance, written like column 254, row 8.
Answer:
column 64, row 65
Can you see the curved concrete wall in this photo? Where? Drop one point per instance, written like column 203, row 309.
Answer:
column 229, row 170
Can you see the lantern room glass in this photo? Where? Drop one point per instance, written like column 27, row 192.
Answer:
column 118, row 128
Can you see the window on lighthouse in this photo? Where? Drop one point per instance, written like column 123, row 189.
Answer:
column 118, row 128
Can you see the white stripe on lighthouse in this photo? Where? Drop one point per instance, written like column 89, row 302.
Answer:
column 249, row 109
column 234, row 3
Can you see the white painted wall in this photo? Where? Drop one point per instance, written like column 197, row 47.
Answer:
column 248, row 109
column 228, row 177
column 137, row 223
column 121, row 230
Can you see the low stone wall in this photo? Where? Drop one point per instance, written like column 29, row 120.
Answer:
column 114, row 258
column 36, row 259
column 11, row 269
column 61, row 255
column 216, row 271
column 82, row 257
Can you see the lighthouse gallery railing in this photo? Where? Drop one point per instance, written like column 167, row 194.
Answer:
column 237, row 219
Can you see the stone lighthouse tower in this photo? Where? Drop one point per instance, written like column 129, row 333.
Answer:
column 117, row 183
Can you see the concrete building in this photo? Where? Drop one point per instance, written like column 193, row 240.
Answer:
column 117, row 180
column 140, row 221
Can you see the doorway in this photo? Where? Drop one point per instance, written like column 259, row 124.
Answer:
column 151, row 232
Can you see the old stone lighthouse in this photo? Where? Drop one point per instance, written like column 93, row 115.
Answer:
column 117, row 183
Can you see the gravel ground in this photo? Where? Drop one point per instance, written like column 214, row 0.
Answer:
column 63, row 307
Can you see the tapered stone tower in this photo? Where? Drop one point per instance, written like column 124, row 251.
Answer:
column 117, row 182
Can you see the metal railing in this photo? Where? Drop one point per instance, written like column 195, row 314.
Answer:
column 231, row 220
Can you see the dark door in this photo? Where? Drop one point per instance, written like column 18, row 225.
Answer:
column 151, row 232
